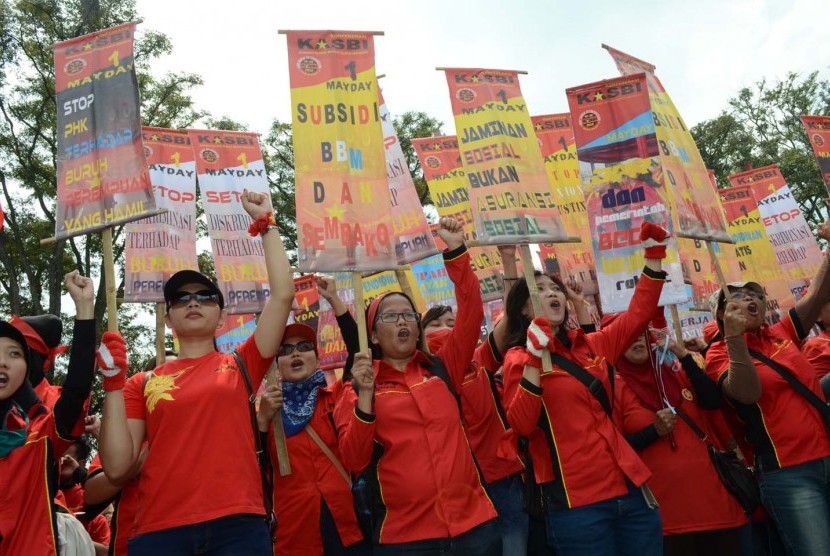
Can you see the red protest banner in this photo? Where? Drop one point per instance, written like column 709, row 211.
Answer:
column 818, row 131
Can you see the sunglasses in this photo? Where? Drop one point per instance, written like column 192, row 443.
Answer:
column 202, row 297
column 302, row 347
column 389, row 318
column 746, row 295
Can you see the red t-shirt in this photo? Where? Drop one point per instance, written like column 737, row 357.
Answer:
column 200, row 437
column 683, row 478
column 27, row 524
column 123, row 518
column 782, row 427
column 817, row 350
column 98, row 529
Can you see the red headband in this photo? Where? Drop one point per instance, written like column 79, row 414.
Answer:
column 36, row 343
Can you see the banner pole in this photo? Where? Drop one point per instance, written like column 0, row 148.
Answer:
column 675, row 317
column 360, row 310
column 279, row 432
column 718, row 270
column 530, row 278
column 160, row 349
column 109, row 279
column 400, row 274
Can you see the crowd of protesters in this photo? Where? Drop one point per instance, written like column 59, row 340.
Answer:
column 551, row 436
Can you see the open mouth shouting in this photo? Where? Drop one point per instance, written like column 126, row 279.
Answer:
column 4, row 379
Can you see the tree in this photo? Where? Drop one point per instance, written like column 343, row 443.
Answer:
column 408, row 126
column 762, row 126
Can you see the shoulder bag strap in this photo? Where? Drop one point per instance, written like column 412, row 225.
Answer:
column 592, row 383
column 799, row 386
column 692, row 425
column 329, row 454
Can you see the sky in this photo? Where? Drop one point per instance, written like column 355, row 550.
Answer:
column 705, row 51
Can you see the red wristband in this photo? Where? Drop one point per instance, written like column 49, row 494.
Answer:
column 260, row 225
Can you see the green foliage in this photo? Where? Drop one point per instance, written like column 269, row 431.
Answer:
column 762, row 126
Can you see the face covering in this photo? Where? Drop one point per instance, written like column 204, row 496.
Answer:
column 13, row 436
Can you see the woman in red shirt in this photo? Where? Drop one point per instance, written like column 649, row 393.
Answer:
column 195, row 416
column 596, row 501
column 402, row 421
column 699, row 515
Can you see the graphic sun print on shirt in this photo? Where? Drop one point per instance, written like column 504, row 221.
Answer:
column 159, row 387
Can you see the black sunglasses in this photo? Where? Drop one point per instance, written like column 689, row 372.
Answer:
column 203, row 297
column 288, row 349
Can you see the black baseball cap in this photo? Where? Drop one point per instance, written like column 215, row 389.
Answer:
column 185, row 277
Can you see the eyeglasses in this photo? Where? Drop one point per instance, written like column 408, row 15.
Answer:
column 302, row 347
column 202, row 297
column 390, row 318
column 744, row 295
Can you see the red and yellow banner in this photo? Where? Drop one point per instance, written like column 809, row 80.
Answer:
column 792, row 239
column 447, row 183
column 694, row 204
column 510, row 195
column 818, row 131
column 413, row 239
column 308, row 301
column 756, row 256
column 159, row 246
column 102, row 178
column 228, row 162
column 576, row 260
column 623, row 184
column 344, row 214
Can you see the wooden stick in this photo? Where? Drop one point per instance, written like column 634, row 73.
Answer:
column 718, row 270
column 160, row 349
column 376, row 33
column 279, row 432
column 678, row 330
column 400, row 274
column 109, row 278
column 360, row 310
column 530, row 278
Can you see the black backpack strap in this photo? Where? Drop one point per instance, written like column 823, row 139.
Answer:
column 797, row 385
column 260, row 442
column 692, row 425
column 592, row 383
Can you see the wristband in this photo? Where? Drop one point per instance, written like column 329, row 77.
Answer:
column 262, row 224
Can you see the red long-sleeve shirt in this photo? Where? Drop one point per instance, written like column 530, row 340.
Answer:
column 428, row 481
column 573, row 443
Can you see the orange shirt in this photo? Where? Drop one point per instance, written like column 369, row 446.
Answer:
column 199, row 435
column 817, row 351
column 782, row 427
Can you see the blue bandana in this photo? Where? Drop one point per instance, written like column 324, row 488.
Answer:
column 299, row 401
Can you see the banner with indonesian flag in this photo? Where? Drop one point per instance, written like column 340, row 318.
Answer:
column 510, row 196
column 159, row 246
column 447, row 183
column 102, row 178
column 228, row 162
column 413, row 239
column 623, row 184
column 575, row 260
column 796, row 249
column 818, row 132
column 694, row 204
column 756, row 256
column 344, row 213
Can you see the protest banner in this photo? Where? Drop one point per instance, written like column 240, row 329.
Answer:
column 756, row 256
column 510, row 196
column 693, row 203
column 623, row 184
column 228, row 162
column 818, row 132
column 433, row 282
column 344, row 213
column 159, row 246
column 102, row 177
column 308, row 301
column 413, row 239
column 447, row 183
column 332, row 353
column 234, row 331
column 796, row 249
column 575, row 261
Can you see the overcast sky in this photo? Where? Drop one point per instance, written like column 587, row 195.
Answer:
column 705, row 51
